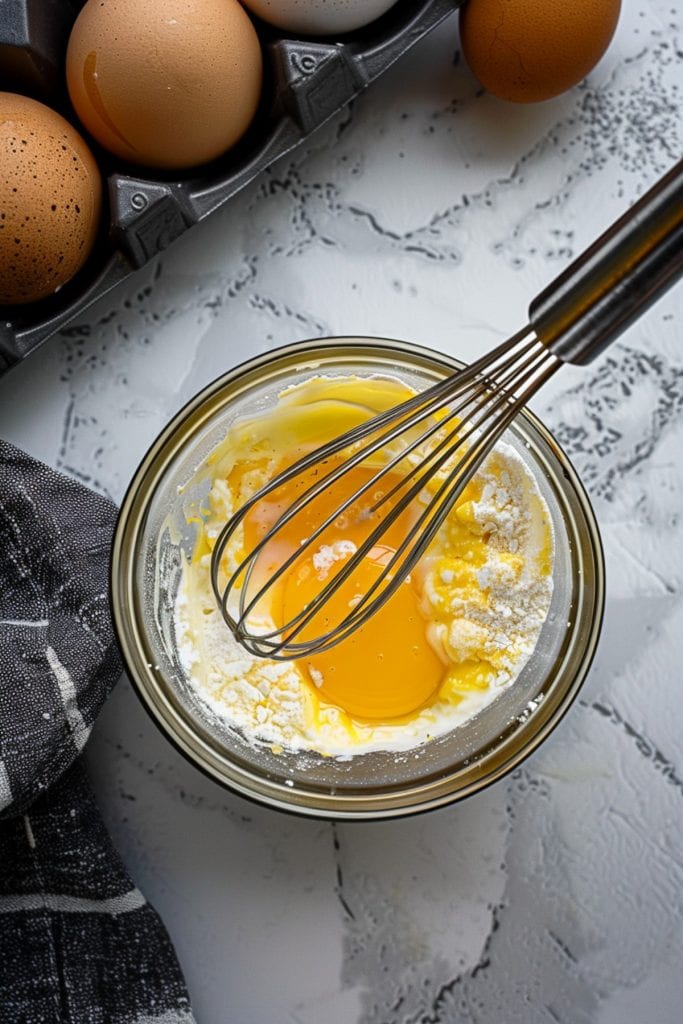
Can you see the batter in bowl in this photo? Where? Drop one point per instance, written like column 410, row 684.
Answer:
column 455, row 634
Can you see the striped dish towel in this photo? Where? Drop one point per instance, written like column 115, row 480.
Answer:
column 79, row 944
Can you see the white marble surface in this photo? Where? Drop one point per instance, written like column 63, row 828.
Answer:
column 433, row 213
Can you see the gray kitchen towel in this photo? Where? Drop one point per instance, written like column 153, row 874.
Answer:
column 79, row 944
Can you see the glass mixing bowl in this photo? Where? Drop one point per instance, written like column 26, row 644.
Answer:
column 153, row 539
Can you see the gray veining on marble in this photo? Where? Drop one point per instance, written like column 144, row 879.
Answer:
column 429, row 212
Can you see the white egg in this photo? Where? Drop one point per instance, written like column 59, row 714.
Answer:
column 319, row 17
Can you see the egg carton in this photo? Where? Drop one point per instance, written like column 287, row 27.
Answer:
column 306, row 82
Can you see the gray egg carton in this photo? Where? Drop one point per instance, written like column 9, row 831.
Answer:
column 306, row 82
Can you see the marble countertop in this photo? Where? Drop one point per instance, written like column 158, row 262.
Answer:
column 429, row 212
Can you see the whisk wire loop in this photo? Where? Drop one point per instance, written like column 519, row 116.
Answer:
column 427, row 404
column 425, row 529
column 302, row 619
column 481, row 401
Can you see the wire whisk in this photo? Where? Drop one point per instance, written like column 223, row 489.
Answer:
column 418, row 457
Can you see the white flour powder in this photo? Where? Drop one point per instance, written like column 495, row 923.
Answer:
column 489, row 613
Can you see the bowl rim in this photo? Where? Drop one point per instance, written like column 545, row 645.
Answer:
column 132, row 513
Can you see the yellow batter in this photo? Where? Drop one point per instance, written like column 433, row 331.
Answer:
column 459, row 630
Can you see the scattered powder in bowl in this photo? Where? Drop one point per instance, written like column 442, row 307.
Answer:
column 485, row 588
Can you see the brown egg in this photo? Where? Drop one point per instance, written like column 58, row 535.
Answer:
column 166, row 83
column 530, row 50
column 50, row 200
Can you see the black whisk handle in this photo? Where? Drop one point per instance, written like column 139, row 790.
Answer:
column 614, row 281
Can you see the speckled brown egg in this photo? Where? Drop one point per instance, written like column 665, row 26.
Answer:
column 165, row 83
column 531, row 50
column 50, row 200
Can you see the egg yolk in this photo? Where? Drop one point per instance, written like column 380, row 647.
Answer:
column 387, row 667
